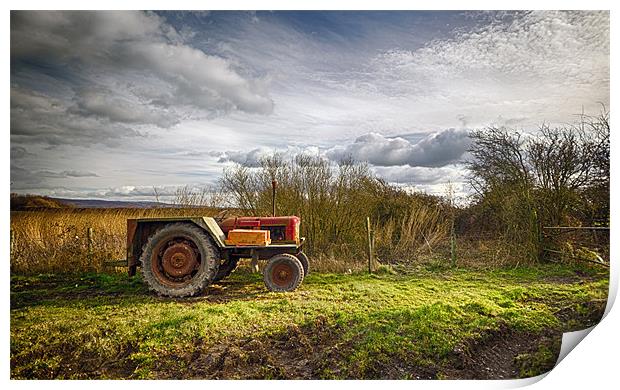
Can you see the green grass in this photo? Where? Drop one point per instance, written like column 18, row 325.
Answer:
column 106, row 326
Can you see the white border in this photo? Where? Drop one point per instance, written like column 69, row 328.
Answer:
column 593, row 364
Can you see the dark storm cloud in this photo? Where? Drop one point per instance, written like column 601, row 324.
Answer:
column 18, row 152
column 103, row 103
column 431, row 150
column 37, row 118
column 105, row 75
column 435, row 150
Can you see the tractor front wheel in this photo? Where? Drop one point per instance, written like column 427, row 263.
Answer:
column 283, row 273
column 303, row 259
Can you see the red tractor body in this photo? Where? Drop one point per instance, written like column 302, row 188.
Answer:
column 284, row 230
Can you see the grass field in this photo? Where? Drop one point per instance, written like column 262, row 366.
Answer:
column 442, row 323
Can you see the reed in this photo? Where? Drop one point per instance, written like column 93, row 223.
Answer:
column 55, row 240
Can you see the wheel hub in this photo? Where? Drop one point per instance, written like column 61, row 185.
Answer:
column 179, row 259
column 282, row 275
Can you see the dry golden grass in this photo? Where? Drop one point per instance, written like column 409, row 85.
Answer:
column 417, row 234
column 57, row 240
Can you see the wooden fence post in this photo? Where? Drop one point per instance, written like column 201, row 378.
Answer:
column 372, row 250
column 369, row 245
column 12, row 242
column 89, row 237
column 453, row 246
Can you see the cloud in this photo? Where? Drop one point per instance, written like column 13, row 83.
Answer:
column 109, row 75
column 19, row 152
column 248, row 159
column 565, row 48
column 540, row 65
column 431, row 150
column 65, row 174
column 133, row 191
column 166, row 194
column 23, row 178
column 121, row 192
column 103, row 103
column 38, row 118
column 143, row 98
column 434, row 150
column 137, row 44
column 200, row 80
column 454, row 173
column 430, row 180
column 254, row 157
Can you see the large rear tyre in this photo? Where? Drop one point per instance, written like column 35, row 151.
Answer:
column 179, row 260
column 283, row 273
column 303, row 259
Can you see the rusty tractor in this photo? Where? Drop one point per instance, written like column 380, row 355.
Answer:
column 180, row 257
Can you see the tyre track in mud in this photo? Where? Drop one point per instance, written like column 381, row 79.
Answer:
column 317, row 351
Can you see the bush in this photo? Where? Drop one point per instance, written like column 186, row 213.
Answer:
column 559, row 176
column 334, row 201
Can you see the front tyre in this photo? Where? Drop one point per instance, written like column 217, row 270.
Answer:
column 179, row 260
column 303, row 259
column 283, row 273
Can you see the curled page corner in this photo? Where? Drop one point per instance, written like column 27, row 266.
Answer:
column 570, row 341
column 526, row 381
column 613, row 291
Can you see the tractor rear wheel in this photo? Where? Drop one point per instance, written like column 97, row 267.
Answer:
column 283, row 273
column 179, row 260
column 303, row 259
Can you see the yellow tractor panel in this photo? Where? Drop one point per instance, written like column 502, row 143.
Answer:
column 246, row 237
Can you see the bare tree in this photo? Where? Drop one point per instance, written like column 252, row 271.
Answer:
column 561, row 160
column 333, row 201
column 241, row 186
column 542, row 178
column 205, row 196
column 498, row 158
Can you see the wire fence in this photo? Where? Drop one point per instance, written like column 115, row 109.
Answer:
column 576, row 244
column 75, row 249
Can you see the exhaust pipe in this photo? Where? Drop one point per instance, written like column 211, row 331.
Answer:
column 273, row 197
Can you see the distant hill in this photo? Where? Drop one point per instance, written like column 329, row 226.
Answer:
column 97, row 203
column 29, row 202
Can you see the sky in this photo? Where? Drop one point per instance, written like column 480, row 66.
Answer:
column 109, row 104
